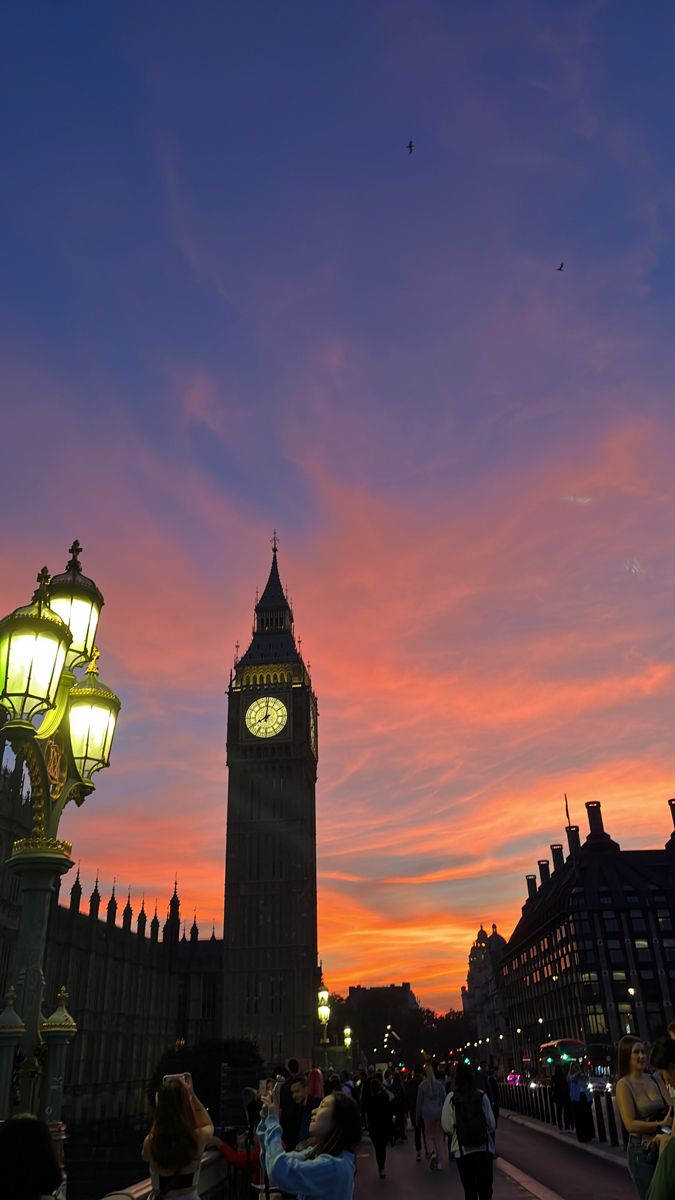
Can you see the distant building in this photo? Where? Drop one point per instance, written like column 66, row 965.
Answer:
column 398, row 995
column 483, row 997
column 381, row 1017
column 593, row 954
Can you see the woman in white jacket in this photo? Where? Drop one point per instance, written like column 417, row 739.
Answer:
column 469, row 1121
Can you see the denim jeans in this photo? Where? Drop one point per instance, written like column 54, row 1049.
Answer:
column 641, row 1170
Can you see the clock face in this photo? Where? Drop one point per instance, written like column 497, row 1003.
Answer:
column 266, row 717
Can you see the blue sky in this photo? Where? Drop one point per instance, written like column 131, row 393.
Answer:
column 231, row 301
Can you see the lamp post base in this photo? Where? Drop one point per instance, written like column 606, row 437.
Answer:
column 38, row 869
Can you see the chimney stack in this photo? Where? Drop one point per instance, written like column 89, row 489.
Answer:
column 573, row 839
column 544, row 870
column 531, row 886
column 672, row 811
column 595, row 816
column 558, row 856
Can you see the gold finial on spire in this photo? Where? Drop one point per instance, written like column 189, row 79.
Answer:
column 274, row 542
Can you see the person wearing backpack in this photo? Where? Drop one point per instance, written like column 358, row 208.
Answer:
column 469, row 1121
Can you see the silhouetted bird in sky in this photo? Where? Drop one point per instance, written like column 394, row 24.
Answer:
column 560, row 267
column 411, row 146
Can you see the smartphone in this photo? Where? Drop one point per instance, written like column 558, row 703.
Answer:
column 666, row 1129
column 185, row 1076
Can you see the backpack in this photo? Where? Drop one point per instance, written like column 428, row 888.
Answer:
column 470, row 1124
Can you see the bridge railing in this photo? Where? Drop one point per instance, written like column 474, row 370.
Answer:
column 536, row 1102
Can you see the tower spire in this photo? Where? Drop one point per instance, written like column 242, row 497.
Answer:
column 273, row 638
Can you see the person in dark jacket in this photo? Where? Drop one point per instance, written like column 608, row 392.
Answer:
column 411, row 1087
column 399, row 1110
column 488, row 1083
column 295, row 1122
column 582, row 1108
column 379, row 1122
column 561, row 1095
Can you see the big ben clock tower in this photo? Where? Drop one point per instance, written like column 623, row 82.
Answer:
column 271, row 972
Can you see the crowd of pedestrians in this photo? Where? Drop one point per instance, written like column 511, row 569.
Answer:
column 302, row 1130
column 308, row 1128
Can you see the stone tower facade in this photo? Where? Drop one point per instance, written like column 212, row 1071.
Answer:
column 270, row 943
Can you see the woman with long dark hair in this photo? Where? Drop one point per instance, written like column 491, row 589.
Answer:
column 28, row 1163
column 469, row 1121
column 645, row 1108
column 324, row 1170
column 176, row 1141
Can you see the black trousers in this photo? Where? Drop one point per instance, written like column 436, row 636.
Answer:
column 379, row 1141
column 475, row 1172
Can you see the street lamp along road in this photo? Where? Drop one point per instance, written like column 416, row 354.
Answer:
column 323, row 1012
column 62, row 728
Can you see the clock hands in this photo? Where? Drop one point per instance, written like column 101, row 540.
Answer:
column 268, row 712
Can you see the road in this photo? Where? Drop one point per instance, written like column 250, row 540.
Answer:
column 565, row 1167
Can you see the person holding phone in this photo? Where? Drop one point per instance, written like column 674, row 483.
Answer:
column 325, row 1170
column 177, row 1138
column 644, row 1105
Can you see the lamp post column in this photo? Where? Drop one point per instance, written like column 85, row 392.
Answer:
column 38, row 870
column 58, row 1031
column 11, row 1031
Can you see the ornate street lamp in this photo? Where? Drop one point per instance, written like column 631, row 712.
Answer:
column 93, row 710
column 347, row 1037
column 34, row 641
column 62, row 728
column 323, row 1013
column 78, row 602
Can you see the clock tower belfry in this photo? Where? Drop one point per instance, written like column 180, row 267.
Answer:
column 271, row 965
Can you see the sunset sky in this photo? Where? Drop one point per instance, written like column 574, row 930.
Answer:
column 230, row 301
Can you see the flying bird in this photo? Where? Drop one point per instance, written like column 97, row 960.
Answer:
column 411, row 146
column 560, row 267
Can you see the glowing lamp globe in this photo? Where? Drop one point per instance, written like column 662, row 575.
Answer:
column 323, row 1009
column 78, row 602
column 34, row 642
column 93, row 711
